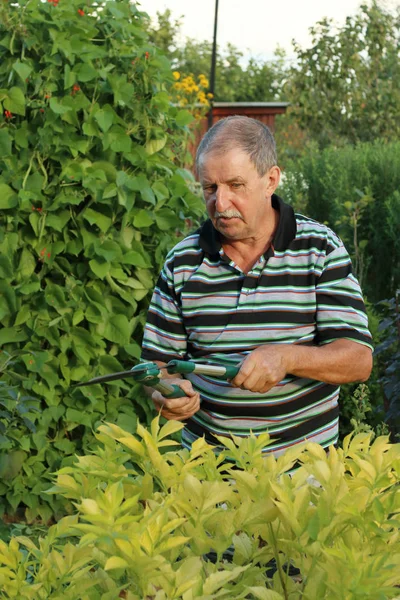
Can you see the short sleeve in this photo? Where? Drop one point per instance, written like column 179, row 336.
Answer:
column 164, row 336
column 340, row 307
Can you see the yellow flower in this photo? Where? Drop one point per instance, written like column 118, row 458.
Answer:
column 210, row 95
column 203, row 81
column 176, row 75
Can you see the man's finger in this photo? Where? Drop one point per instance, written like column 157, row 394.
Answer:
column 186, row 386
column 178, row 403
column 176, row 406
column 245, row 371
column 182, row 414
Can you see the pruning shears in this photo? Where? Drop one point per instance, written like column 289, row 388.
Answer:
column 149, row 373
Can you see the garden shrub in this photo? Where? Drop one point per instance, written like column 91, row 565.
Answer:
column 363, row 406
column 355, row 190
column 146, row 516
column 388, row 352
column 92, row 194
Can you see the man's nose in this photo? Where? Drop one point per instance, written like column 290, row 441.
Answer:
column 222, row 201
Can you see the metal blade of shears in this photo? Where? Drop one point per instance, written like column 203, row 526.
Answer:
column 140, row 372
column 106, row 378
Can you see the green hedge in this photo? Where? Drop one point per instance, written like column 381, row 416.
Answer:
column 91, row 197
column 356, row 191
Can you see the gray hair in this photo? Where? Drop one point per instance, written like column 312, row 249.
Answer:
column 244, row 133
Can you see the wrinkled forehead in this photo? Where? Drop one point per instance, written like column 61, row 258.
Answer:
column 222, row 166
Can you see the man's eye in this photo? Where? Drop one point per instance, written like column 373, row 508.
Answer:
column 209, row 189
column 236, row 185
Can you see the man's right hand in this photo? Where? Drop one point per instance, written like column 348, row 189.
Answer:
column 177, row 409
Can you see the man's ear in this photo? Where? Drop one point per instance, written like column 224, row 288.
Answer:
column 273, row 178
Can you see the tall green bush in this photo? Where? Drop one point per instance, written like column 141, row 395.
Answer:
column 355, row 189
column 91, row 196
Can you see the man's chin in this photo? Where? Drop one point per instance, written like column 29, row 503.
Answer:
column 231, row 229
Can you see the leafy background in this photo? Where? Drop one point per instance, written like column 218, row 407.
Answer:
column 92, row 194
column 94, row 190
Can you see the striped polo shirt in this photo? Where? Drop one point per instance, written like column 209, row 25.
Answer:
column 205, row 308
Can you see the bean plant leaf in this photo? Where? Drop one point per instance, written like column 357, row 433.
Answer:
column 8, row 198
column 15, row 101
column 87, row 158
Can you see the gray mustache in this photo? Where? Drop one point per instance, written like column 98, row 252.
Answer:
column 228, row 214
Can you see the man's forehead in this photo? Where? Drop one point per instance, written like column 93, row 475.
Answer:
column 231, row 165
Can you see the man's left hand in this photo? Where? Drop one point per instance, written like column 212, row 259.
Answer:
column 263, row 368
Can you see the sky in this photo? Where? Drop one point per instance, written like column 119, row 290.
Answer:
column 256, row 27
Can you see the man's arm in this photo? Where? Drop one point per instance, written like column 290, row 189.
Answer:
column 341, row 361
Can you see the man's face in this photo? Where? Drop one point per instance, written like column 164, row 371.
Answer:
column 237, row 198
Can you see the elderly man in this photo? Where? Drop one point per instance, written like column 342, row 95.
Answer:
column 261, row 286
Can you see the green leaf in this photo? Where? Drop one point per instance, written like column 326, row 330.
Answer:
column 154, row 146
column 120, row 142
column 11, row 464
column 5, row 143
column 59, row 220
column 169, row 429
column 136, row 259
column 110, row 191
column 110, row 364
column 34, row 362
column 8, row 299
column 143, row 218
column 167, row 220
column 58, row 108
column 86, row 72
column 22, row 69
column 115, row 562
column 15, row 101
column 9, row 335
column 21, row 137
column 105, row 118
column 99, row 268
column 109, row 250
column 77, row 416
column 133, row 350
column 160, row 190
column 6, row 269
column 261, row 593
column 117, row 330
column 8, row 198
column 184, row 117
column 97, row 218
column 218, row 580
column 69, row 77
column 29, row 288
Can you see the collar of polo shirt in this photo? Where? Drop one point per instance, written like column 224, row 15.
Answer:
column 210, row 240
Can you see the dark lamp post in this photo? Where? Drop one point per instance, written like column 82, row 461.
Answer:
column 213, row 63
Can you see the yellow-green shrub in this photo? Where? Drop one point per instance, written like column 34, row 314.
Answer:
column 145, row 518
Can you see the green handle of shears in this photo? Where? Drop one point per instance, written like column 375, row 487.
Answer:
column 231, row 371
column 169, row 390
column 186, row 366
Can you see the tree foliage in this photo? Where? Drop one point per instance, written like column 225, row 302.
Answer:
column 91, row 196
column 346, row 85
column 259, row 80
